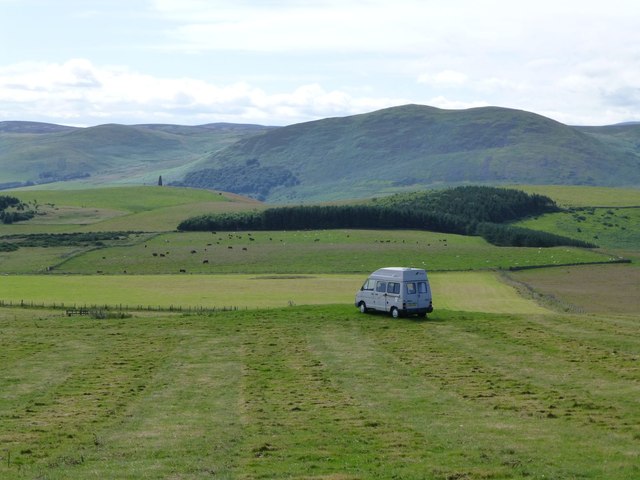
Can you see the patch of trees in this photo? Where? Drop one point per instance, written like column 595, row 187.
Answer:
column 250, row 179
column 479, row 203
column 444, row 214
column 13, row 210
column 62, row 239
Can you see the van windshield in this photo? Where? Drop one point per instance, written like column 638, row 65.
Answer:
column 369, row 285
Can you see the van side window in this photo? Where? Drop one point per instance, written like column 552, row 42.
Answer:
column 369, row 285
column 411, row 288
column 422, row 287
column 393, row 287
column 381, row 287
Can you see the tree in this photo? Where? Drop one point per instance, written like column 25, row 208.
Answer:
column 160, row 181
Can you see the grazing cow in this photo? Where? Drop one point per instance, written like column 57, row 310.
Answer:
column 182, row 270
column 205, row 261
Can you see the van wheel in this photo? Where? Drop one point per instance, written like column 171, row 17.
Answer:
column 395, row 313
column 362, row 307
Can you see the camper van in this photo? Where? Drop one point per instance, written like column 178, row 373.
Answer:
column 397, row 290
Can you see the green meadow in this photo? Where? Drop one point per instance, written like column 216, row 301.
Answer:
column 469, row 291
column 319, row 392
column 270, row 372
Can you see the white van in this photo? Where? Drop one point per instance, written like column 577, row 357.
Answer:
column 398, row 290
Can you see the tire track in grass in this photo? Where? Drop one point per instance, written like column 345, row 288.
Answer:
column 299, row 422
column 506, row 412
column 186, row 425
column 94, row 376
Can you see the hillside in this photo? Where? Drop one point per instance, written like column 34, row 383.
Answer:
column 36, row 153
column 361, row 156
column 416, row 146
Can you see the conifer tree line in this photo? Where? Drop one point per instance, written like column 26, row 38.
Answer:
column 481, row 211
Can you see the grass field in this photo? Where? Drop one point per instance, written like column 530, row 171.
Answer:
column 295, row 382
column 469, row 291
column 319, row 392
column 610, row 227
column 594, row 289
column 328, row 251
column 578, row 196
column 149, row 209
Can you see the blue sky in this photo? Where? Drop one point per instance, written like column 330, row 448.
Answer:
column 278, row 62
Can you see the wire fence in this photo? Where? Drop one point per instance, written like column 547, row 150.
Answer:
column 85, row 309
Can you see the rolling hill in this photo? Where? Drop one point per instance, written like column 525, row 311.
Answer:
column 38, row 153
column 395, row 149
column 416, row 146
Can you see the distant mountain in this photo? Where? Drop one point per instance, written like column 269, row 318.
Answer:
column 35, row 153
column 414, row 146
column 401, row 148
column 32, row 127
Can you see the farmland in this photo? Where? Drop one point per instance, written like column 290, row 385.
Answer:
column 319, row 392
column 530, row 374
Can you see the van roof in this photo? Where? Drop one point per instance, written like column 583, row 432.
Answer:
column 403, row 273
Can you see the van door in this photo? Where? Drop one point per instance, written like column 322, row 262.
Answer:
column 380, row 296
column 411, row 295
column 367, row 293
column 424, row 294
column 393, row 297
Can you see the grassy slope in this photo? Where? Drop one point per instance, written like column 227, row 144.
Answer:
column 418, row 145
column 606, row 216
column 113, row 153
column 357, row 156
column 320, row 392
column 120, row 208
column 567, row 196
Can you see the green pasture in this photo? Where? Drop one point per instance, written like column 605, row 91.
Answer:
column 126, row 199
column 149, row 209
column 320, row 392
column 609, row 227
column 469, row 291
column 322, row 251
column 581, row 196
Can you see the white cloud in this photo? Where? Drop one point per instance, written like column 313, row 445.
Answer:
column 295, row 26
column 81, row 92
column 282, row 61
column 444, row 78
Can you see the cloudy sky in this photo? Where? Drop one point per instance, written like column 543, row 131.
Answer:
column 278, row 62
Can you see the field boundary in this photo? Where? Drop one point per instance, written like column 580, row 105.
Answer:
column 552, row 265
column 544, row 300
column 118, row 309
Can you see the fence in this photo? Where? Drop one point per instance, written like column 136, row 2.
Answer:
column 119, row 308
